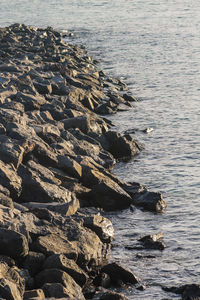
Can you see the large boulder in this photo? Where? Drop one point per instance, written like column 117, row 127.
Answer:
column 54, row 244
column 40, row 185
column 58, row 276
column 13, row 243
column 122, row 147
column 105, row 192
column 152, row 201
column 60, row 261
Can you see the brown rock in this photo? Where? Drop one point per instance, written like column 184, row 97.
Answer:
column 9, row 290
column 68, row 265
column 54, row 244
column 38, row 294
column 58, row 276
column 10, row 179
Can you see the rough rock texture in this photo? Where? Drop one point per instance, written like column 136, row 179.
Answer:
column 56, row 157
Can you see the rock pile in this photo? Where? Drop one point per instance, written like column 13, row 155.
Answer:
column 56, row 157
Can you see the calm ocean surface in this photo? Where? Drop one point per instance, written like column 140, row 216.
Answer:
column 154, row 46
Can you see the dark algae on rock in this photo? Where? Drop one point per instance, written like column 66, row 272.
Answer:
column 56, row 157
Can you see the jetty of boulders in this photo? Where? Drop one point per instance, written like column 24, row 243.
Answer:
column 57, row 150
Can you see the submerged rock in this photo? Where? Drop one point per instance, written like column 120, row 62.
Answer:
column 153, row 241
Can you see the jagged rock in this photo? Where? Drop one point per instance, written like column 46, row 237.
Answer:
column 39, row 185
column 9, row 290
column 84, row 123
column 122, row 147
column 187, row 291
column 58, row 291
column 13, row 243
column 106, row 193
column 68, row 265
column 13, row 274
column 11, row 151
column 5, row 200
column 2, row 129
column 54, row 276
column 151, row 201
column 54, row 244
column 191, row 292
column 70, row 166
column 66, row 209
column 101, row 226
column 10, row 180
column 103, row 280
column 29, row 101
column 119, row 274
column 34, row 294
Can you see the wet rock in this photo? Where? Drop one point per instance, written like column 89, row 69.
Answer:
column 119, row 274
column 110, row 295
column 103, row 280
column 106, row 193
column 187, row 291
column 13, row 244
column 68, row 265
column 152, row 201
column 101, row 226
column 122, row 147
column 191, row 292
column 129, row 98
column 153, row 241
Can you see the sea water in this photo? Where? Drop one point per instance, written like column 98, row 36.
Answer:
column 154, row 46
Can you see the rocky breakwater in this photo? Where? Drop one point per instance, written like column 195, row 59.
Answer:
column 56, row 157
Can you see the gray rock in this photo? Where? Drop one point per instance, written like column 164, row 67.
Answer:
column 101, row 226
column 58, row 276
column 68, row 265
column 152, row 201
column 153, row 241
column 33, row 262
column 13, row 243
column 10, row 180
column 122, row 147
